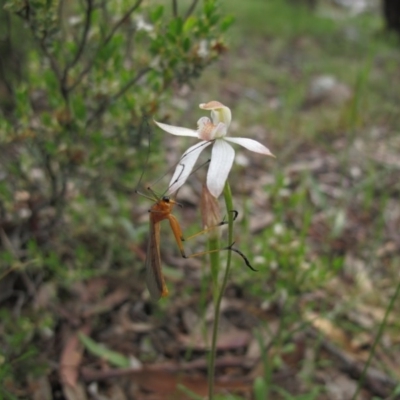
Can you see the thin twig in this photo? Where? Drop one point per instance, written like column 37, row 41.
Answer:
column 191, row 9
column 89, row 374
column 60, row 13
column 3, row 74
column 82, row 44
column 54, row 65
column 174, row 8
column 102, row 107
column 7, row 40
column 53, row 62
column 51, row 174
column 121, row 21
column 58, row 201
column 104, row 43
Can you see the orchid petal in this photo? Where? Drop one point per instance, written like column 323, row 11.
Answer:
column 177, row 130
column 185, row 166
column 222, row 156
column 208, row 131
column 205, row 129
column 251, row 145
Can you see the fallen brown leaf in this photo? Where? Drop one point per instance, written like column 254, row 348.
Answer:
column 167, row 383
column 77, row 392
column 107, row 303
column 71, row 357
column 40, row 388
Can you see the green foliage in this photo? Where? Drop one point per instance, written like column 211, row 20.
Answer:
column 77, row 125
column 75, row 130
column 260, row 389
column 18, row 356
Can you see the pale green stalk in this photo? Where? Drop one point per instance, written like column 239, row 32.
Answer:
column 214, row 244
column 218, row 292
column 382, row 327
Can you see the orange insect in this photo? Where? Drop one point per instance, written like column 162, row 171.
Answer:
column 161, row 210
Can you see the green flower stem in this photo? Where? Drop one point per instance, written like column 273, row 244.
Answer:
column 218, row 292
column 214, row 244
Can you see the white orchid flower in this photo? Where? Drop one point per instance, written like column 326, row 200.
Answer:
column 222, row 155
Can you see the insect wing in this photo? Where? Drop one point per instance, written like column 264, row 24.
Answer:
column 154, row 277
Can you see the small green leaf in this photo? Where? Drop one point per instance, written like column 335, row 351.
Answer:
column 209, row 8
column 190, row 24
column 192, row 395
column 227, row 22
column 176, row 26
column 156, row 14
column 100, row 350
column 260, row 390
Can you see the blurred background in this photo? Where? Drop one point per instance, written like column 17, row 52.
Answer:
column 316, row 81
